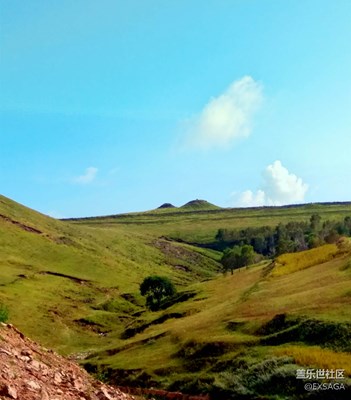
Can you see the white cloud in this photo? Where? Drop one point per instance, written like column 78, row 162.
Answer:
column 279, row 187
column 250, row 199
column 226, row 117
column 88, row 177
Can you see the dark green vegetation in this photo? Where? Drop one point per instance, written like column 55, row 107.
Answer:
column 285, row 238
column 158, row 290
column 237, row 257
column 244, row 247
column 4, row 313
column 238, row 335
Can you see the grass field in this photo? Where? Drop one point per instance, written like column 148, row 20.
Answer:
column 201, row 225
column 73, row 285
column 94, row 265
column 224, row 324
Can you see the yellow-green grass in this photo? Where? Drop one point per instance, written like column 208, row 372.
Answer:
column 318, row 291
column 248, row 299
column 202, row 226
column 292, row 262
column 94, row 264
column 317, row 357
column 100, row 260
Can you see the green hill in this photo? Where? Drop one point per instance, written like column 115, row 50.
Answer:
column 250, row 320
column 63, row 275
column 166, row 205
column 197, row 205
column 74, row 285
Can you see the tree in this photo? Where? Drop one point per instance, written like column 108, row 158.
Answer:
column 259, row 244
column 315, row 221
column 156, row 289
column 347, row 226
column 247, row 255
column 232, row 259
column 237, row 257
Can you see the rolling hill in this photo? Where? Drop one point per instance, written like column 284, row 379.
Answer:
column 73, row 285
column 197, row 205
column 254, row 319
column 62, row 274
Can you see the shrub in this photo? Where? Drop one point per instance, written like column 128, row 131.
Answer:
column 4, row 313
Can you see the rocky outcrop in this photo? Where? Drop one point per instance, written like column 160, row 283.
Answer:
column 31, row 372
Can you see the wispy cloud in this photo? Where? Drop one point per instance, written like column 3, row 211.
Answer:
column 88, row 177
column 226, row 117
column 279, row 187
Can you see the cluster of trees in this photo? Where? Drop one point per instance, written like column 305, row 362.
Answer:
column 241, row 246
column 237, row 257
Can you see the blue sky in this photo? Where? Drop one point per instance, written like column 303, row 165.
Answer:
column 111, row 106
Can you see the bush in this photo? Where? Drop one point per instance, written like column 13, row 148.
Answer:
column 4, row 313
column 271, row 378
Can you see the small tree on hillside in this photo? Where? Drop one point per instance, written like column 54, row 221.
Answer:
column 156, row 289
column 237, row 257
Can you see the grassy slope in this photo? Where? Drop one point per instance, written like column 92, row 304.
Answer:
column 110, row 256
column 245, row 300
column 202, row 225
column 100, row 264
column 319, row 289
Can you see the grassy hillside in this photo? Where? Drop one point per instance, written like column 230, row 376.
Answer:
column 60, row 274
column 254, row 317
column 73, row 285
column 201, row 225
column 197, row 205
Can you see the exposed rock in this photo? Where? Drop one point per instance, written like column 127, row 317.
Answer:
column 8, row 391
column 44, row 395
column 26, row 352
column 12, row 392
column 57, row 378
column 30, row 372
column 33, row 385
column 36, row 365
column 103, row 394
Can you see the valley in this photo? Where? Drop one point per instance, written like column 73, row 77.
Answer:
column 73, row 285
